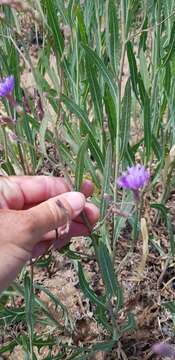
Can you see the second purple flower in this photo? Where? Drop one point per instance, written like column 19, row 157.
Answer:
column 135, row 178
column 7, row 85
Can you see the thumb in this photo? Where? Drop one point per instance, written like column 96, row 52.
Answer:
column 54, row 213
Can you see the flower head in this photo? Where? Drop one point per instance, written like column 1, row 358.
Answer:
column 7, row 85
column 163, row 349
column 134, row 178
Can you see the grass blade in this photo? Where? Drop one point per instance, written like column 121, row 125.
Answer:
column 80, row 162
column 108, row 275
column 125, row 120
column 54, row 25
column 88, row 292
column 92, row 56
column 132, row 68
column 94, row 90
column 107, row 173
column 81, row 114
column 112, row 34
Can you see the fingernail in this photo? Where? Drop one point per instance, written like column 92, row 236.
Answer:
column 77, row 202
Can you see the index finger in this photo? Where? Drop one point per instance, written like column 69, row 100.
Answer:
column 36, row 189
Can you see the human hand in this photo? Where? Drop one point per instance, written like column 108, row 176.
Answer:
column 29, row 215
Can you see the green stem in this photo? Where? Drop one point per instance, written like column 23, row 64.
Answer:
column 118, row 103
column 30, row 325
column 77, row 67
column 21, row 157
column 115, row 335
column 135, row 232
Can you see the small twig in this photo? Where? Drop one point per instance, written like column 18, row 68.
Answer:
column 160, row 279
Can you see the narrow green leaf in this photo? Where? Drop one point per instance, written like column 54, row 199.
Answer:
column 147, row 128
column 28, row 296
column 54, row 25
column 126, row 207
column 167, row 87
column 81, row 114
column 58, row 44
column 40, row 342
column 108, row 77
column 143, row 36
column 171, row 46
column 87, row 353
column 125, row 120
column 103, row 346
column 171, row 235
column 109, row 277
column 54, row 298
column 42, row 132
column 44, row 261
column 88, row 292
column 132, row 68
column 130, row 324
column 91, row 168
column 80, row 162
column 112, row 34
column 156, row 147
column 142, row 90
column 81, row 25
column 102, row 317
column 111, row 113
column 8, row 167
column 29, row 135
column 107, row 173
column 162, row 209
column 170, row 305
column 12, row 315
column 147, row 117
column 95, row 90
column 8, row 347
column 144, row 71
column 69, row 253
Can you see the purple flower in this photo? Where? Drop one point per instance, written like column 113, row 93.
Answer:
column 164, row 350
column 7, row 85
column 134, row 178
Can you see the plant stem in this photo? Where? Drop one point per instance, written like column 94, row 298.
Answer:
column 118, row 103
column 31, row 311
